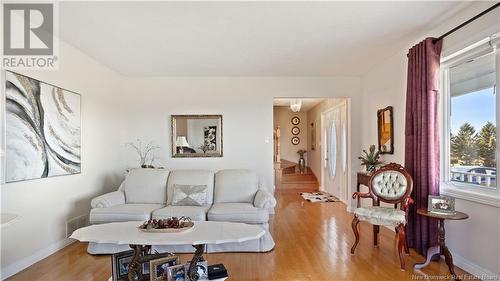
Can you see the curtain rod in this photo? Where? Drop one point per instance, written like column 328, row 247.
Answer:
column 467, row 22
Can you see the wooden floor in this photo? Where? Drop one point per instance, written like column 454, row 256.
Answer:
column 313, row 242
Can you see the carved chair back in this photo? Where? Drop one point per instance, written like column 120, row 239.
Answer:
column 390, row 184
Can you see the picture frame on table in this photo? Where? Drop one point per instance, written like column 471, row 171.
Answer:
column 178, row 272
column 441, row 204
column 158, row 268
column 120, row 262
column 201, row 269
column 146, row 263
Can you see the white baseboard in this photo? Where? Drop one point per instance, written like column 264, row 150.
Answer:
column 349, row 209
column 36, row 257
column 474, row 269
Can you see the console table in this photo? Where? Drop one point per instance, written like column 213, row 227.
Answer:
column 441, row 248
column 363, row 179
column 201, row 234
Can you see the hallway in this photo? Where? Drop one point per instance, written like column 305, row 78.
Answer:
column 311, row 138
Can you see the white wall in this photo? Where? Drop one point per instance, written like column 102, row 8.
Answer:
column 44, row 205
column 246, row 105
column 282, row 118
column 475, row 242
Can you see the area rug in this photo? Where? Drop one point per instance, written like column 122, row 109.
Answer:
column 320, row 196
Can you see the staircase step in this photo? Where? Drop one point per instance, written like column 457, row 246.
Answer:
column 299, row 177
column 299, row 182
column 291, row 178
column 301, row 186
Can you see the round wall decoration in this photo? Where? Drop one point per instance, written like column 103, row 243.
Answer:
column 295, row 131
column 295, row 140
column 295, row 120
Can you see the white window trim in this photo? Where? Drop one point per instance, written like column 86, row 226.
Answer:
column 483, row 195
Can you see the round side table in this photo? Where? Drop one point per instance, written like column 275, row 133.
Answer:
column 441, row 248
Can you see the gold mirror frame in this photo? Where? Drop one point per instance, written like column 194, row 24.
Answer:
column 219, row 138
column 385, row 127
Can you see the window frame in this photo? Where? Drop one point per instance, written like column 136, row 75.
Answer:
column 467, row 191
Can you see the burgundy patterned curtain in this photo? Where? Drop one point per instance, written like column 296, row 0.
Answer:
column 422, row 139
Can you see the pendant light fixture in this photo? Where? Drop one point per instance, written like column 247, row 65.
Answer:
column 295, row 105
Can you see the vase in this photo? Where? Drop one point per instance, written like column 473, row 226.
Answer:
column 370, row 168
column 302, row 164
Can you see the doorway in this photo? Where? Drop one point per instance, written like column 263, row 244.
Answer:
column 335, row 151
column 311, row 127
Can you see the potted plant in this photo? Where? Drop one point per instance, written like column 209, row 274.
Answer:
column 370, row 159
column 302, row 161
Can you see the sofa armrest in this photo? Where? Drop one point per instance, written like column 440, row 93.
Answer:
column 264, row 200
column 108, row 200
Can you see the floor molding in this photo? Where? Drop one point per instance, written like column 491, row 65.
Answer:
column 472, row 268
column 18, row 266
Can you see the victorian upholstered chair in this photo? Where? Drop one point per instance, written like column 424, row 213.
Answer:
column 390, row 184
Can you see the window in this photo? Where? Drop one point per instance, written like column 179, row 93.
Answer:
column 469, row 118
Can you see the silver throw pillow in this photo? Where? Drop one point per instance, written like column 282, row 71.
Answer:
column 189, row 195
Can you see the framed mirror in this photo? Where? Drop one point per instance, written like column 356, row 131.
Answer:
column 385, row 130
column 196, row 136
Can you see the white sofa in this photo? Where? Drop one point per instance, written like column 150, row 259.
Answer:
column 232, row 195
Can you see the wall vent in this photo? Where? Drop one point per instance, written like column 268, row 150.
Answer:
column 76, row 223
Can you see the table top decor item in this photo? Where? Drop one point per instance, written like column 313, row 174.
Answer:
column 167, row 225
column 216, row 271
column 370, row 158
column 441, row 204
column 158, row 268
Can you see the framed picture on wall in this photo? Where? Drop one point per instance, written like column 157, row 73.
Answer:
column 42, row 129
column 295, row 120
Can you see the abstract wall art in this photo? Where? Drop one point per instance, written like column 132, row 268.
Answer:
column 42, row 132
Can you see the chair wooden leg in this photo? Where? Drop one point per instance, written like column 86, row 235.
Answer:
column 355, row 222
column 407, row 250
column 376, row 230
column 401, row 242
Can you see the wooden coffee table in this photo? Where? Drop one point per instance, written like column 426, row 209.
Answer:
column 202, row 233
column 441, row 248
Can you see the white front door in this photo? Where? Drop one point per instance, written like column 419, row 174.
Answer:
column 334, row 151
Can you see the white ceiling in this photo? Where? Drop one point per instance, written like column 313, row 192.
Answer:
column 245, row 38
column 307, row 103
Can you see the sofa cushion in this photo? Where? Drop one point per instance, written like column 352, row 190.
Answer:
column 196, row 213
column 237, row 212
column 123, row 212
column 191, row 177
column 189, row 195
column 145, row 186
column 235, row 186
